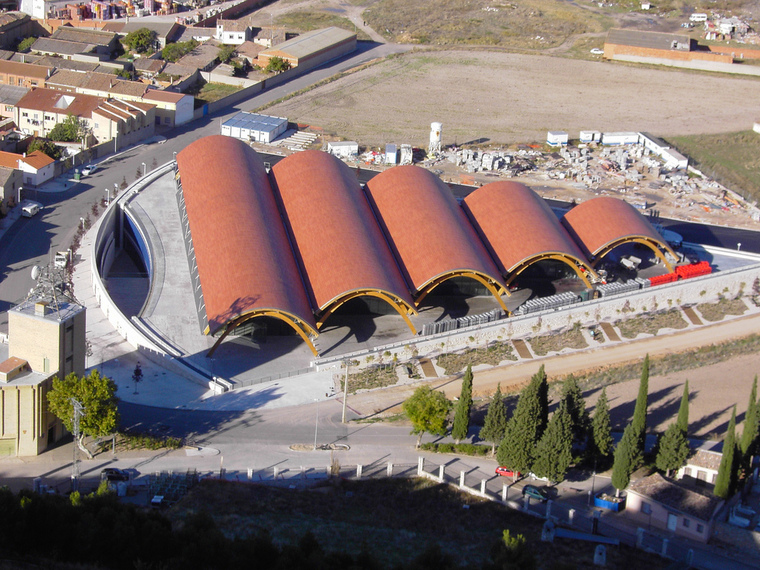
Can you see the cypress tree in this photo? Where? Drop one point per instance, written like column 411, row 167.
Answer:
column 750, row 429
column 601, row 430
column 554, row 451
column 639, row 421
column 683, row 411
column 576, row 407
column 495, row 424
column 674, row 449
column 524, row 429
column 625, row 456
column 464, row 405
column 543, row 400
column 726, row 480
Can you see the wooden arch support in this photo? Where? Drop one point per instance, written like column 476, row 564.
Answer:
column 403, row 308
column 653, row 244
column 576, row 264
column 493, row 286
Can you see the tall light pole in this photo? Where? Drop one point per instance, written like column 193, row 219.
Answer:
column 108, row 196
column 316, row 427
column 345, row 393
column 78, row 413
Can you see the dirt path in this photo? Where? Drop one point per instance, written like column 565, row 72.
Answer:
column 715, row 389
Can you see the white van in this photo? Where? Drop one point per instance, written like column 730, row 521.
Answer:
column 30, row 210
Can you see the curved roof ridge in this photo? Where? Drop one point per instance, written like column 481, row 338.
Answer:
column 230, row 202
column 335, row 236
column 518, row 226
column 427, row 230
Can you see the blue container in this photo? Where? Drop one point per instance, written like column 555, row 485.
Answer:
column 609, row 505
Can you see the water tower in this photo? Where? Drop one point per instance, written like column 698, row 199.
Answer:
column 435, row 139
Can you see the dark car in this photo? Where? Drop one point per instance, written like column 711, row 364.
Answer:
column 507, row 472
column 113, row 474
column 534, row 492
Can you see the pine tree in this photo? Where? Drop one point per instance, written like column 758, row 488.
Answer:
column 639, row 421
column 517, row 449
column 495, row 424
column 464, row 405
column 726, row 480
column 673, row 449
column 750, row 429
column 601, row 430
column 625, row 456
column 572, row 396
column 554, row 453
column 683, row 411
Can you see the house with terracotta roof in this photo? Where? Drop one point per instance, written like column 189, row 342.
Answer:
column 172, row 108
column 78, row 43
column 233, row 32
column 36, row 167
column 10, row 182
column 15, row 26
column 106, row 118
column 664, row 504
column 23, row 74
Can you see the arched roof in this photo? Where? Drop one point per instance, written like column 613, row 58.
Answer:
column 520, row 228
column 335, row 236
column 428, row 231
column 601, row 224
column 245, row 263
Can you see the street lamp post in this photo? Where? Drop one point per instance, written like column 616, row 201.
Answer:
column 108, row 196
column 145, row 169
column 316, row 427
column 345, row 393
column 82, row 222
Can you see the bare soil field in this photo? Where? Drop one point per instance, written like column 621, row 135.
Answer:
column 504, row 98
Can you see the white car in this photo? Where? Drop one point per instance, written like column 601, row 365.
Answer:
column 597, row 51
column 30, row 208
column 87, row 170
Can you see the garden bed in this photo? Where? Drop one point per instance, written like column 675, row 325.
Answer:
column 651, row 323
column 544, row 344
column 454, row 362
column 714, row 312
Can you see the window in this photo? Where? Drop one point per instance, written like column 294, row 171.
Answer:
column 34, row 84
column 167, row 120
column 25, row 114
column 686, row 523
column 700, row 528
column 646, row 508
column 97, row 126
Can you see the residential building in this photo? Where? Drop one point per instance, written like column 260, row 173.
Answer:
column 35, row 167
column 148, row 68
column 233, row 32
column 83, row 44
column 166, row 32
column 701, row 468
column 312, row 48
column 125, row 122
column 250, row 51
column 203, row 57
column 23, row 74
column 46, row 339
column 15, row 26
column 172, row 109
column 9, row 97
column 10, row 182
column 663, row 504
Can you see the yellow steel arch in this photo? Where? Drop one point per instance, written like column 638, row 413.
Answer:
column 403, row 308
column 655, row 245
column 304, row 330
column 575, row 263
column 493, row 286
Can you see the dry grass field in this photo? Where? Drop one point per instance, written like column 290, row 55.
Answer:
column 504, row 98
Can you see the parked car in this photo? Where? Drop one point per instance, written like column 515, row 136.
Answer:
column 30, row 209
column 113, row 474
column 537, row 478
column 534, row 492
column 597, row 51
column 87, row 170
column 507, row 472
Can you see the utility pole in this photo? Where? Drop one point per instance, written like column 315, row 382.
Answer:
column 345, row 393
column 78, row 413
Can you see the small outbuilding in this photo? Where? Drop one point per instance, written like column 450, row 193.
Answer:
column 254, row 127
column 343, row 149
column 556, row 138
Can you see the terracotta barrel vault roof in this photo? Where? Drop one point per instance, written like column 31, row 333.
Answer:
column 426, row 229
column 605, row 221
column 518, row 226
column 245, row 262
column 337, row 240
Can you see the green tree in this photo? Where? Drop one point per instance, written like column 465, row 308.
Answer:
column 512, row 553
column 673, row 449
column 639, row 421
column 464, row 405
column 750, row 429
column 683, row 411
column 601, row 442
column 725, row 483
column 173, row 52
column 140, row 40
column 71, row 129
column 276, row 65
column 26, row 44
column 625, row 456
column 226, row 53
column 554, row 453
column 524, row 430
column 572, row 396
column 428, row 411
column 495, row 424
column 46, row 147
column 97, row 394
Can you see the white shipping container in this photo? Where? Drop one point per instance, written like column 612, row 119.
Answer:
column 620, row 138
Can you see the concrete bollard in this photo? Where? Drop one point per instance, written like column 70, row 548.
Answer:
column 571, row 516
column 440, row 473
column 549, row 509
column 275, row 470
column 483, row 486
column 358, row 471
column 328, row 472
column 420, row 466
column 639, row 537
column 250, row 474
column 389, row 471
column 690, row 558
column 504, row 493
column 461, row 479
column 664, row 551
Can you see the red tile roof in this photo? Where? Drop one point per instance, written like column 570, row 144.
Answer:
column 426, row 228
column 46, row 99
column 245, row 262
column 24, row 69
column 36, row 159
column 336, row 238
column 517, row 225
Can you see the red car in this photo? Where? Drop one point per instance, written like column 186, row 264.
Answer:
column 507, row 472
